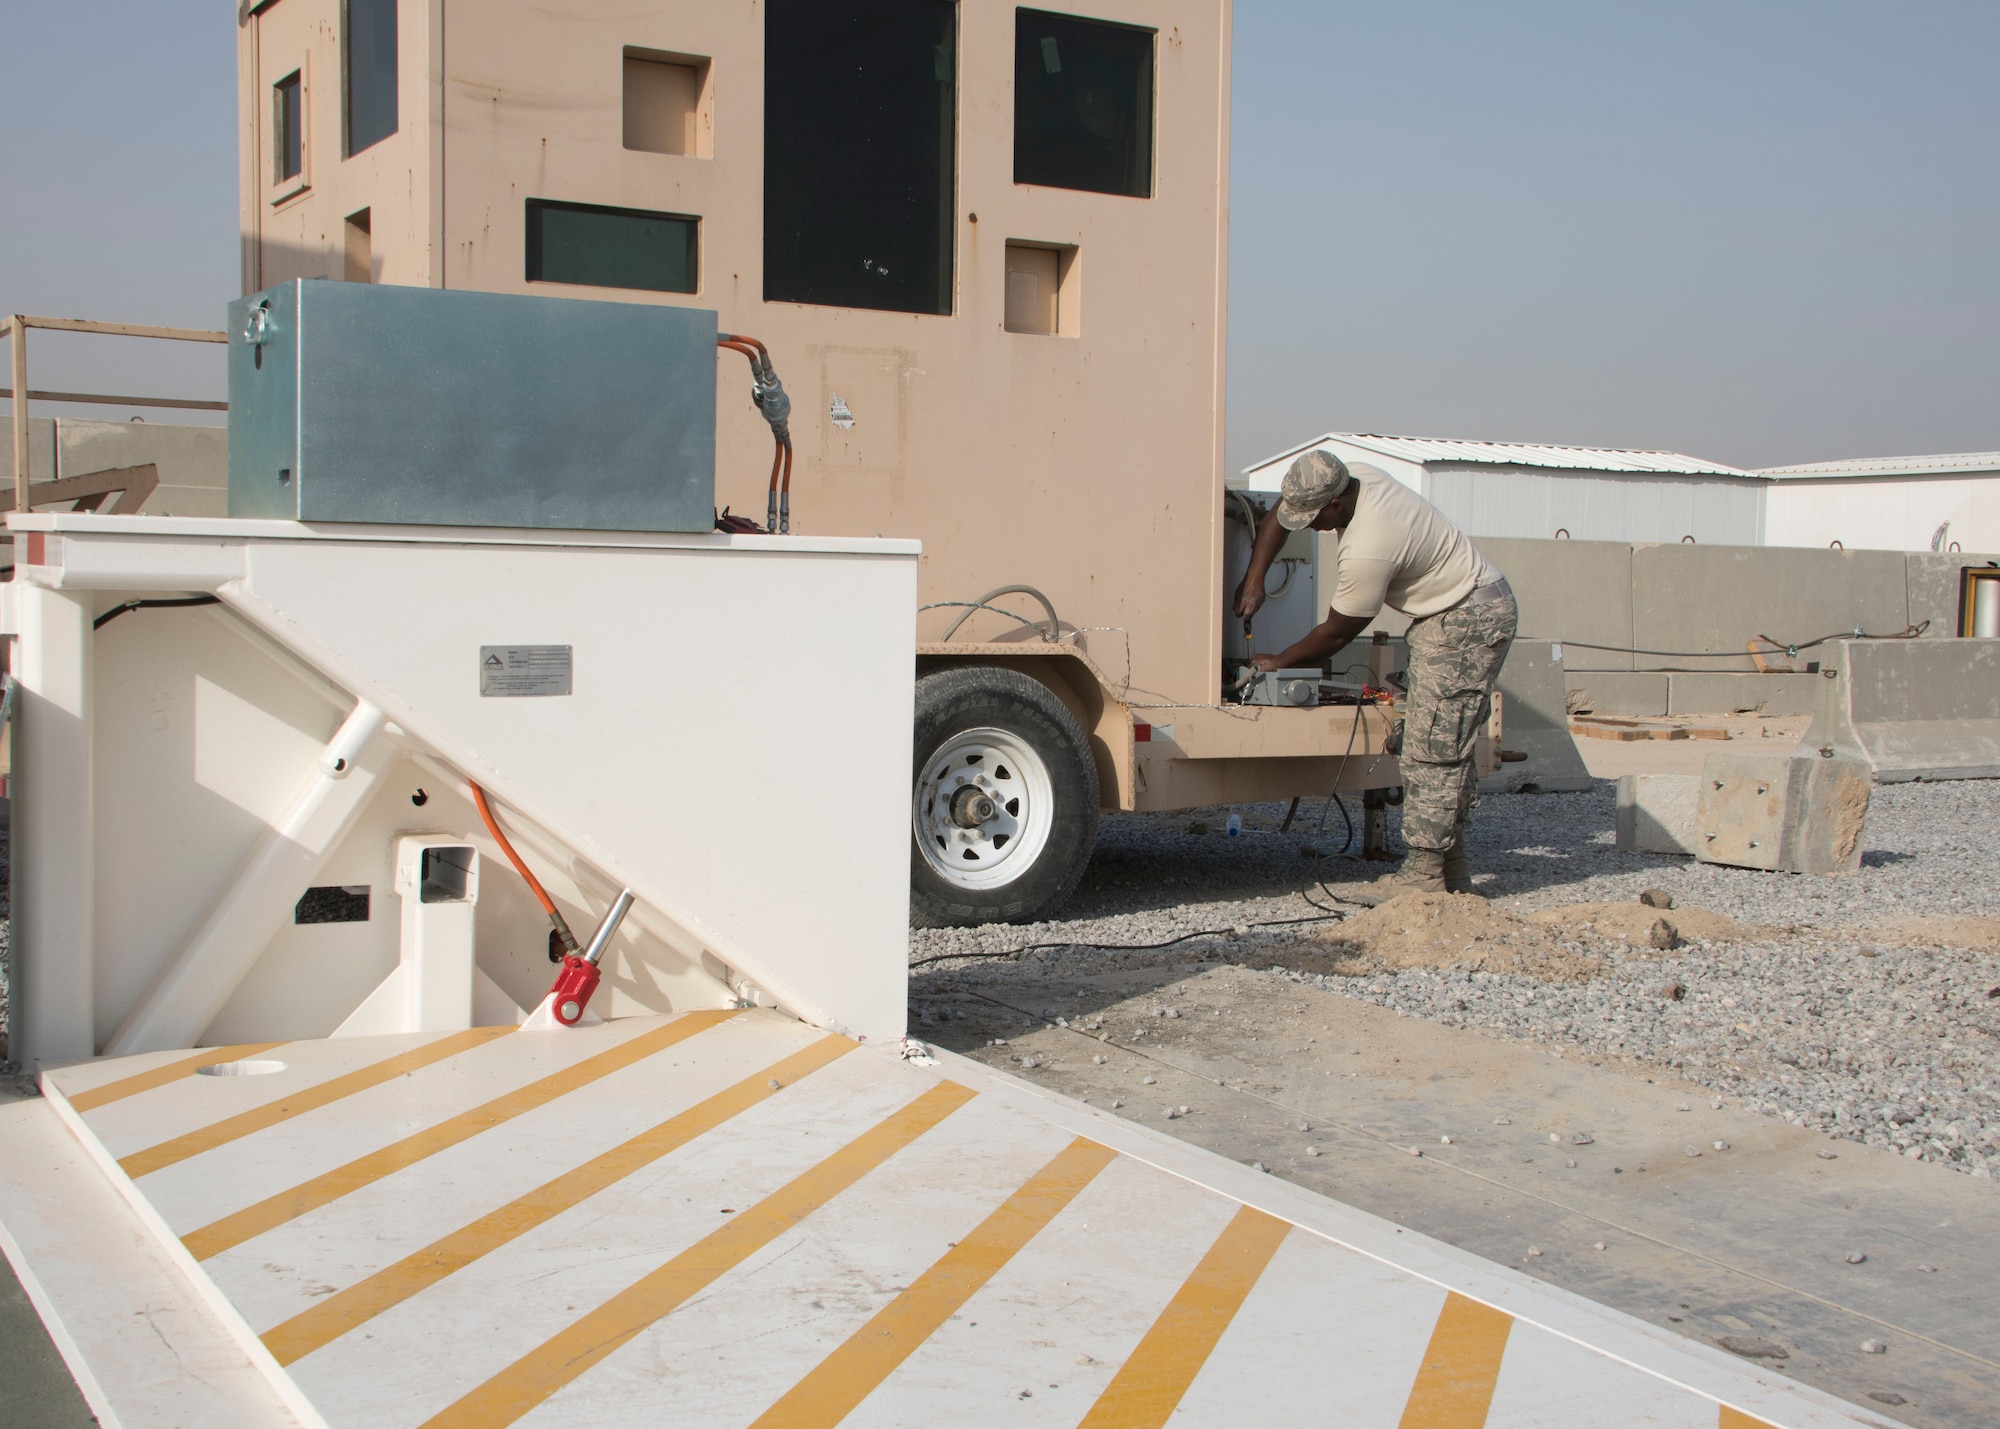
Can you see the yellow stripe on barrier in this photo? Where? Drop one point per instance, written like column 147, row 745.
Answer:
column 169, row 1153
column 1455, row 1382
column 576, row 1350
column 160, row 1076
column 274, row 1211
column 333, row 1317
column 850, row 1374
column 1737, row 1419
column 1150, row 1384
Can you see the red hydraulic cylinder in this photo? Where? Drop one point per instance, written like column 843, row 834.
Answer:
column 578, row 977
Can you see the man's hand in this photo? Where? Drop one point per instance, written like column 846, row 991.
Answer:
column 1248, row 600
column 1266, row 662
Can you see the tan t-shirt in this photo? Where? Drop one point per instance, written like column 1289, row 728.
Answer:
column 1400, row 551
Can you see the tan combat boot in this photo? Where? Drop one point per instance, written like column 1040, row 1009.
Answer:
column 1422, row 872
column 1458, row 871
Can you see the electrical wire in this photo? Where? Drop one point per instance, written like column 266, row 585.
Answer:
column 1908, row 632
column 1325, row 914
column 971, row 605
column 1051, row 634
column 118, row 610
column 556, row 918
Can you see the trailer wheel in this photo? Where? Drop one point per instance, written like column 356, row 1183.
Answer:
column 1003, row 810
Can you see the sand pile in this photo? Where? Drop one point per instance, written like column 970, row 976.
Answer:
column 1565, row 944
column 1633, row 923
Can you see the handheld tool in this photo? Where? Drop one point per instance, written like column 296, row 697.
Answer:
column 577, row 980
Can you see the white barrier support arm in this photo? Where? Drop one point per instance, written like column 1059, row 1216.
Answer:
column 207, row 968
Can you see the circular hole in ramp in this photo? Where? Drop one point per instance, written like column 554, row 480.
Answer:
column 250, row 1068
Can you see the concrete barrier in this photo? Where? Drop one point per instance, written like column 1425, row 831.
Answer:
column 1657, row 813
column 1571, row 590
column 1797, row 813
column 1913, row 709
column 1535, row 722
column 1713, row 599
column 193, row 460
column 1718, row 598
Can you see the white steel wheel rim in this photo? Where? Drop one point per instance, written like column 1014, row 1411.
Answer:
column 1002, row 848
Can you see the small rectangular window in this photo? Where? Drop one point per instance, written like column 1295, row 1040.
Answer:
column 360, row 264
column 664, row 112
column 1083, row 104
column 367, row 73
column 1043, row 290
column 612, row 247
column 288, row 123
column 860, row 116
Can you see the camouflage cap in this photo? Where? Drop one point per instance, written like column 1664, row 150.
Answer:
column 1315, row 481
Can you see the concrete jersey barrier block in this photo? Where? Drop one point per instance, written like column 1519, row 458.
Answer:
column 1535, row 722
column 1656, row 813
column 1800, row 813
column 1911, row 709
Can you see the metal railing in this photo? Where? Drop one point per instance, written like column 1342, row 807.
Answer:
column 16, row 328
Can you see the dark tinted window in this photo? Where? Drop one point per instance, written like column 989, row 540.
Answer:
column 611, row 247
column 367, row 72
column 859, row 100
column 1083, row 104
column 288, row 119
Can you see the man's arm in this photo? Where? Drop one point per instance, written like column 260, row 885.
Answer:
column 1323, row 641
column 1264, row 550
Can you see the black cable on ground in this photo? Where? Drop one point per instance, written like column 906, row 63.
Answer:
column 1325, row 915
column 118, row 610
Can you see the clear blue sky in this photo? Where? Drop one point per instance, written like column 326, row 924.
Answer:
column 1756, row 231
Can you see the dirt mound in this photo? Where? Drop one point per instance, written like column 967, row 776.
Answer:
column 1633, row 922
column 1457, row 930
column 1436, row 930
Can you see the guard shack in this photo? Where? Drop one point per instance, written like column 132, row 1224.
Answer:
column 986, row 246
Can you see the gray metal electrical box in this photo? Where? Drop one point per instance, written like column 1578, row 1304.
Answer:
column 1296, row 688
column 372, row 403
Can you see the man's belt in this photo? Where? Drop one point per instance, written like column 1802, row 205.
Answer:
column 1488, row 593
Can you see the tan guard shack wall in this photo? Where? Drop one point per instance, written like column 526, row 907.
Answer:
column 1088, row 465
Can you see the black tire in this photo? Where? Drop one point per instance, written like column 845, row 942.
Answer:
column 949, row 706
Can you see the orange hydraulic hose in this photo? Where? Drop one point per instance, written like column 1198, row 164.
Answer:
column 520, row 867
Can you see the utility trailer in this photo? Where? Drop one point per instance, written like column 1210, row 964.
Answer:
column 986, row 246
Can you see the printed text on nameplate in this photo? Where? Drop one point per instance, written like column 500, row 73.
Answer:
column 509, row 670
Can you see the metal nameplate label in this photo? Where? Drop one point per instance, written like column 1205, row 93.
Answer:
column 507, row 670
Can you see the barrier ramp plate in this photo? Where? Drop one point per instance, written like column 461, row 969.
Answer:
column 731, row 1218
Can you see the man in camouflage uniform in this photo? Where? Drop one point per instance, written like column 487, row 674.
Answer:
column 1396, row 549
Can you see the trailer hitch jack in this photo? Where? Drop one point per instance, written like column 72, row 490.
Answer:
column 577, row 979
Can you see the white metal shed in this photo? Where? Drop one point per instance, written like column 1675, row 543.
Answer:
column 1912, row 503
column 1525, row 489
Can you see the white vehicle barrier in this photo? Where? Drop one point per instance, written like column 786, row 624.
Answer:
column 211, row 799
column 393, row 1200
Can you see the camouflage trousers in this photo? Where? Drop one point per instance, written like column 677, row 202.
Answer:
column 1455, row 657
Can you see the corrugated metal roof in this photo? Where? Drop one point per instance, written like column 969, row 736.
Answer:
column 1950, row 464
column 1437, row 449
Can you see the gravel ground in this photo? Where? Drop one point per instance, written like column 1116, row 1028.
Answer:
column 1841, row 1014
